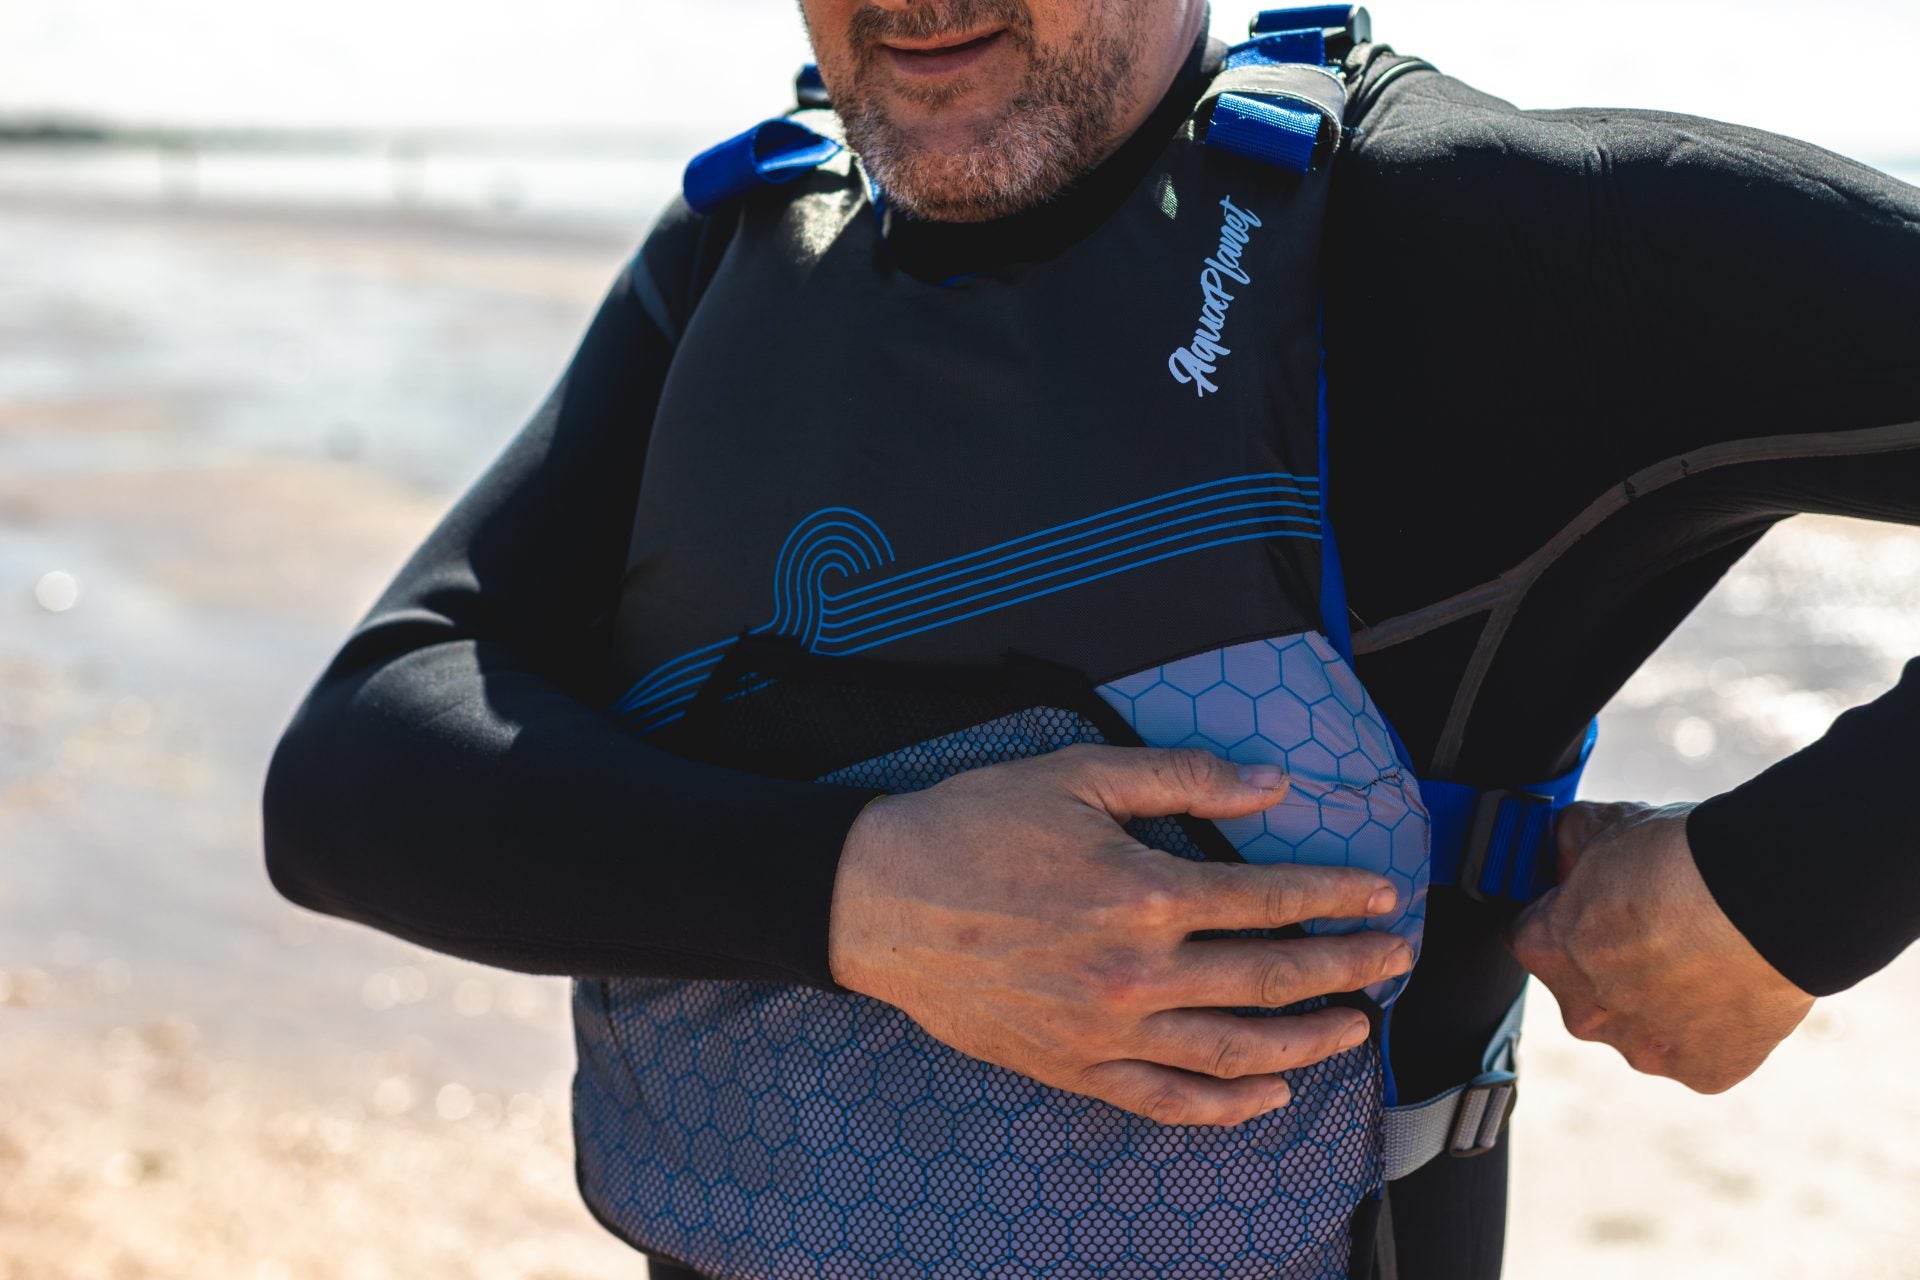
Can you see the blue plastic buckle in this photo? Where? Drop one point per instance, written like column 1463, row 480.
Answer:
column 1509, row 847
column 1353, row 21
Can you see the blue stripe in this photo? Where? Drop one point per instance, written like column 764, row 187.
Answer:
column 856, row 545
column 692, row 683
column 1245, row 537
column 1312, row 482
column 867, row 615
column 1015, row 586
column 676, row 667
column 896, row 588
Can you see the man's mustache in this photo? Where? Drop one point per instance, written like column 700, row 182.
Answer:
column 872, row 25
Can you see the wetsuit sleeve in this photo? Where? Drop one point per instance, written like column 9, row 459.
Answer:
column 1771, row 291
column 1839, row 812
column 451, row 780
column 1605, row 351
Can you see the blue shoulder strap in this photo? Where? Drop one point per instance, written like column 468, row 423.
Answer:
column 1353, row 21
column 775, row 151
column 1277, row 100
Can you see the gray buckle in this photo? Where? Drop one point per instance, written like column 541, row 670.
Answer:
column 1482, row 1112
column 1473, row 856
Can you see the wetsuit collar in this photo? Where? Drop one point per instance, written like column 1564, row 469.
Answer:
column 941, row 251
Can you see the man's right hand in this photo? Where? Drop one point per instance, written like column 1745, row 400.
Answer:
column 1007, row 912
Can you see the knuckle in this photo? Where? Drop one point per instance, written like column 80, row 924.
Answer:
column 1152, row 905
column 1079, row 755
column 1286, row 899
column 1168, row 1103
column 1387, row 958
column 1278, row 982
column 1230, row 1058
column 1714, row 1081
column 1118, row 979
column 1363, row 968
column 1584, row 1024
column 1650, row 1058
column 1191, row 767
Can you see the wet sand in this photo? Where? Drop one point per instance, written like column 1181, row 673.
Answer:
column 229, row 428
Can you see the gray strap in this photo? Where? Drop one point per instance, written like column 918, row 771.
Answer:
column 1310, row 86
column 1465, row 1120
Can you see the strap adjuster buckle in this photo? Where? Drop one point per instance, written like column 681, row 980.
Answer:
column 1481, row 1113
column 1498, row 860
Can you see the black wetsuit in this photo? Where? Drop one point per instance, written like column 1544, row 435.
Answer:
column 1579, row 361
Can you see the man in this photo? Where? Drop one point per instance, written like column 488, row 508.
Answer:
column 1576, row 363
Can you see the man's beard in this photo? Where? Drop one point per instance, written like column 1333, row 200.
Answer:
column 1058, row 126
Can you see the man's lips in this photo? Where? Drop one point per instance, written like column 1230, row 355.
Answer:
column 941, row 56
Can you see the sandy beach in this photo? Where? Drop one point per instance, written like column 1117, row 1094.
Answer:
column 220, row 432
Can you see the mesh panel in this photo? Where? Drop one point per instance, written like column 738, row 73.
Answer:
column 764, row 1131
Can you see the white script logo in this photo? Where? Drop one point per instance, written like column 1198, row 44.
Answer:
column 1192, row 364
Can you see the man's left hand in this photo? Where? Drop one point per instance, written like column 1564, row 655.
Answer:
column 1633, row 946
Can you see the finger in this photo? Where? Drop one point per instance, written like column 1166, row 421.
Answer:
column 1228, row 1047
column 1167, row 1096
column 1219, row 895
column 1257, row 973
column 1573, row 830
column 1146, row 782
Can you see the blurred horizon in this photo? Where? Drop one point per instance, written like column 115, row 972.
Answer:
column 222, row 70
column 479, row 114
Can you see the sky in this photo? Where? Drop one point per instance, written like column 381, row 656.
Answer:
column 700, row 67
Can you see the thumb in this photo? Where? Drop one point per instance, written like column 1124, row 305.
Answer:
column 1147, row 782
column 1576, row 827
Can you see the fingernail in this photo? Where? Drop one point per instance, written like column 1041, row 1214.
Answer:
column 1280, row 1099
column 1353, row 1035
column 1399, row 962
column 1382, row 901
column 1267, row 777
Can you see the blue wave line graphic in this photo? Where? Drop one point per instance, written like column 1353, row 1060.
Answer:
column 1095, row 577
column 840, row 540
column 1275, row 531
column 1312, row 488
column 1076, row 556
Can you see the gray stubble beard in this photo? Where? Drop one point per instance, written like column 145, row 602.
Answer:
column 1056, row 128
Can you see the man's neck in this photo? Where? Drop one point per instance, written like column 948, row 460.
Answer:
column 941, row 251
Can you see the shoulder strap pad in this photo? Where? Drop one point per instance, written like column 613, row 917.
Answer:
column 1272, row 105
column 1281, row 98
column 772, row 152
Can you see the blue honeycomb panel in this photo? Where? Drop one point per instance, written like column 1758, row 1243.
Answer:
column 768, row 1132
column 1295, row 702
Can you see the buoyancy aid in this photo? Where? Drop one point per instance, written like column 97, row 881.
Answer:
column 889, row 531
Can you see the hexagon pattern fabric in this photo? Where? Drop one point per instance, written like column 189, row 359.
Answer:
column 1295, row 702
column 767, row 1132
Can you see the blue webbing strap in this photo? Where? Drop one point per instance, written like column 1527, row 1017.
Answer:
column 1318, row 17
column 1265, row 131
column 1308, row 45
column 1275, row 102
column 776, row 151
column 1498, row 843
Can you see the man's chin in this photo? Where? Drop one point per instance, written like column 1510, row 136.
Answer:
column 963, row 167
